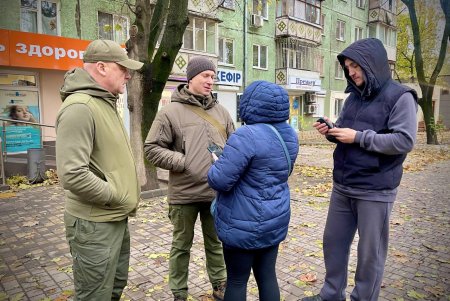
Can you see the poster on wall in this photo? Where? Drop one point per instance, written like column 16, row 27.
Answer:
column 20, row 105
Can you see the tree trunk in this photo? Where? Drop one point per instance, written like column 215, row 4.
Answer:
column 427, row 86
column 146, row 86
column 426, row 103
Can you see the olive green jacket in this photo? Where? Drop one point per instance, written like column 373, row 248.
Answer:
column 178, row 140
column 93, row 153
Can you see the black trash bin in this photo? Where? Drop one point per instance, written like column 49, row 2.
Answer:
column 36, row 165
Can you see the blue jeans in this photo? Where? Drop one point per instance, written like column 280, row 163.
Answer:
column 239, row 264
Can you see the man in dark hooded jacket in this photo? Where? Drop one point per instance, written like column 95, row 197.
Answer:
column 374, row 132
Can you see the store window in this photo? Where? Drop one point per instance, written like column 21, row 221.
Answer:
column 19, row 104
column 360, row 3
column 112, row 27
column 226, row 51
column 260, row 56
column 40, row 16
column 200, row 35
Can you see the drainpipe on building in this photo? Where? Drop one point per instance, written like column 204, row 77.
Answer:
column 244, row 71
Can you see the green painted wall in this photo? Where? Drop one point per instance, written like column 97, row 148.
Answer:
column 352, row 16
column 232, row 27
column 88, row 13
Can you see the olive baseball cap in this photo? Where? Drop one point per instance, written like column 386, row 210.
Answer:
column 109, row 51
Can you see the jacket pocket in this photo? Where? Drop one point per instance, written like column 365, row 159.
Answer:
column 118, row 187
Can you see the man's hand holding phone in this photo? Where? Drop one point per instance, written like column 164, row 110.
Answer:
column 323, row 124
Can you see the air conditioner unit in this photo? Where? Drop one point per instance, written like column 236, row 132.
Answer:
column 311, row 109
column 257, row 21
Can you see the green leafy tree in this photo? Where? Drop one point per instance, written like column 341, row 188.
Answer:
column 428, row 21
column 424, row 58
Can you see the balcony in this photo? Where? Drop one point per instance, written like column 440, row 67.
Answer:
column 288, row 27
column 384, row 16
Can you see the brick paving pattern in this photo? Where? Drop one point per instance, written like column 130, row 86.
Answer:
column 35, row 263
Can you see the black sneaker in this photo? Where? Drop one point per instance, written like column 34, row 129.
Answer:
column 219, row 291
column 179, row 299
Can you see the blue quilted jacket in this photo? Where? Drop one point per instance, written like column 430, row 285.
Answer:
column 250, row 177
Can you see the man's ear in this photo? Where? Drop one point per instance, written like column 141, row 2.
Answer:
column 101, row 67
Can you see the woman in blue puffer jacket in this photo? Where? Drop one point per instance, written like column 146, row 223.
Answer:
column 253, row 200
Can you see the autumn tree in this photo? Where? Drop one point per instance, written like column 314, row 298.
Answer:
column 422, row 62
column 166, row 21
column 428, row 19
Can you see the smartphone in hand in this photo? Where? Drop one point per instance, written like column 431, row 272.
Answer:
column 215, row 149
column 329, row 124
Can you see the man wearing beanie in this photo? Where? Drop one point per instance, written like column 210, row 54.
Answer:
column 178, row 140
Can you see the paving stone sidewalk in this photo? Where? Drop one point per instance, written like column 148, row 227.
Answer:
column 35, row 263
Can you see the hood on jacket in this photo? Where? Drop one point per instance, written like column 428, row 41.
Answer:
column 79, row 81
column 183, row 95
column 264, row 102
column 371, row 56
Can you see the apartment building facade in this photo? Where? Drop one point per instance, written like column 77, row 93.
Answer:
column 293, row 43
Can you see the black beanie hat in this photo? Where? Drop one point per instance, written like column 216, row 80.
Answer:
column 197, row 65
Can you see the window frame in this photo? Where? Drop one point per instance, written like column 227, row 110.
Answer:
column 338, row 105
column 39, row 15
column 264, row 12
column 114, row 23
column 340, row 25
column 361, row 4
column 300, row 8
column 338, row 71
column 228, row 4
column 359, row 33
column 223, row 41
column 192, row 30
column 259, row 57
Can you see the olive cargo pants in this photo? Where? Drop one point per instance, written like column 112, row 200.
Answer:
column 101, row 253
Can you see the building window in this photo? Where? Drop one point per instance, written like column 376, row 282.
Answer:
column 292, row 53
column 338, row 104
column 340, row 30
column 259, row 56
column 338, row 71
column 226, row 51
column 260, row 8
column 200, row 35
column 112, row 27
column 360, row 3
column 228, row 4
column 308, row 10
column 389, row 5
column 40, row 16
column 359, row 33
column 387, row 35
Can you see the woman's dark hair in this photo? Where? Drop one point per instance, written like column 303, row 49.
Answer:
column 13, row 112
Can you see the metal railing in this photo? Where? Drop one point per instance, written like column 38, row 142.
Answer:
column 3, row 140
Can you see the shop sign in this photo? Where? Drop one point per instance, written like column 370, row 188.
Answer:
column 30, row 50
column 229, row 77
column 305, row 84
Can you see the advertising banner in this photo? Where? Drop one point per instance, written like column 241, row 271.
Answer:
column 20, row 105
